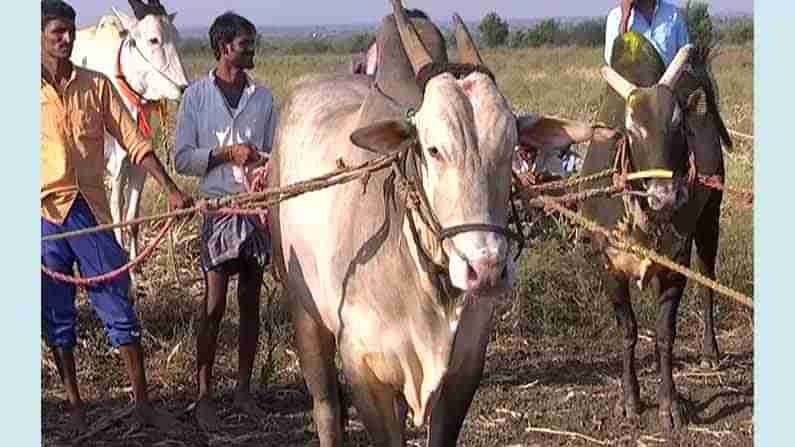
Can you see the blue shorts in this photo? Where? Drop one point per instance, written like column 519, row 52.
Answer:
column 95, row 254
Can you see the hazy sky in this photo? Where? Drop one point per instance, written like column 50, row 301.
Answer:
column 321, row 12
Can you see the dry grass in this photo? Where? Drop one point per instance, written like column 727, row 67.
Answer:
column 557, row 296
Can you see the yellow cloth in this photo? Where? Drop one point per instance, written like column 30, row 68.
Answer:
column 73, row 140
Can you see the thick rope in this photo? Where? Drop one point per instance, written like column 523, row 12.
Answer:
column 87, row 282
column 268, row 197
column 568, row 183
column 628, row 244
column 341, row 175
column 715, row 182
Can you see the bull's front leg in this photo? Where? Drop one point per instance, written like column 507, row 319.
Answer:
column 316, row 349
column 118, row 183
column 671, row 409
column 378, row 404
column 466, row 371
column 629, row 404
column 706, row 238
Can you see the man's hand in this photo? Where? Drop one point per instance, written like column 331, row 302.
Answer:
column 178, row 200
column 243, row 154
column 238, row 154
column 262, row 158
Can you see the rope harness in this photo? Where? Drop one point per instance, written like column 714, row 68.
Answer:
column 143, row 108
column 407, row 180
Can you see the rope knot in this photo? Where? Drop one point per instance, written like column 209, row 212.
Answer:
column 620, row 181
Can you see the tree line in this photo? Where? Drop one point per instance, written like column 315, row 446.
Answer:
column 493, row 31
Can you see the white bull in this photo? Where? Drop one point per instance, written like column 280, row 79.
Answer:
column 403, row 291
column 139, row 55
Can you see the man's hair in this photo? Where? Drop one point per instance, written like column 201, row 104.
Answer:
column 56, row 9
column 225, row 28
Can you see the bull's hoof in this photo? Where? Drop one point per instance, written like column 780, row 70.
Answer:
column 629, row 412
column 674, row 418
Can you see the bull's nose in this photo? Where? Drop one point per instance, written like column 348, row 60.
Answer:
column 662, row 195
column 486, row 272
column 182, row 88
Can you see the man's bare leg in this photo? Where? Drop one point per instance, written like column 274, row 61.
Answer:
column 65, row 362
column 248, row 295
column 144, row 412
column 213, row 310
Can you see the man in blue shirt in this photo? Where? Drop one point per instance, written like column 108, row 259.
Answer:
column 662, row 23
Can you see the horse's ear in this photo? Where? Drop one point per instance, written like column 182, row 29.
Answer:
column 172, row 16
column 127, row 22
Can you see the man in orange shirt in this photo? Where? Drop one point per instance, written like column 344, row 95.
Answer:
column 77, row 107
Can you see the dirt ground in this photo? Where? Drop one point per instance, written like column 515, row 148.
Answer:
column 536, row 391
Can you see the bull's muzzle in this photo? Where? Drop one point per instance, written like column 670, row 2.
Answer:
column 487, row 273
column 666, row 195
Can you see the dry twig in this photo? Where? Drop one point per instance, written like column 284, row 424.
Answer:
column 567, row 433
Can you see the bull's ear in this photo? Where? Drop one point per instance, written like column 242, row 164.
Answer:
column 172, row 16
column 545, row 132
column 602, row 134
column 383, row 137
column 126, row 21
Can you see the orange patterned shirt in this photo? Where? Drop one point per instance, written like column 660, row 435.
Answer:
column 73, row 141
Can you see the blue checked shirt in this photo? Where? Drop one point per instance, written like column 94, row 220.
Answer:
column 205, row 122
column 667, row 30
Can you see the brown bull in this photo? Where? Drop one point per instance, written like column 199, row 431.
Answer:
column 669, row 131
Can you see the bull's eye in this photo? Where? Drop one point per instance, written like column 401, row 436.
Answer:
column 433, row 151
column 154, row 41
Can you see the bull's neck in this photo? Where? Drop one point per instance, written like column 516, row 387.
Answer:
column 124, row 68
column 433, row 278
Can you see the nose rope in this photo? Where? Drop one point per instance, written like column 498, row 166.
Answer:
column 622, row 165
column 408, row 183
column 141, row 105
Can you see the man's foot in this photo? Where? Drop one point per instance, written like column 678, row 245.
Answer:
column 206, row 415
column 76, row 425
column 162, row 420
column 246, row 404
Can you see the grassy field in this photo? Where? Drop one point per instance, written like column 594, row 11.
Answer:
column 553, row 361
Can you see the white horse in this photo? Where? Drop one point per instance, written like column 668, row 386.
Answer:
column 139, row 54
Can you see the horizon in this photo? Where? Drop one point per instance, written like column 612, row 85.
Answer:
column 301, row 13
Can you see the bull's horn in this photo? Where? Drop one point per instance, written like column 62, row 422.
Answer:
column 467, row 50
column 139, row 8
column 158, row 7
column 415, row 50
column 623, row 87
column 674, row 70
